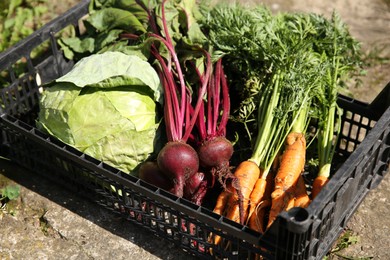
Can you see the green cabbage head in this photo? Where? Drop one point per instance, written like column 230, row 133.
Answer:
column 107, row 107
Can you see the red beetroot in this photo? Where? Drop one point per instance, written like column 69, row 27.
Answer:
column 178, row 161
column 151, row 173
column 215, row 153
column 199, row 195
column 196, row 188
column 192, row 184
column 214, row 149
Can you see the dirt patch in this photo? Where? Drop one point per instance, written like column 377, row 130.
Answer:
column 48, row 221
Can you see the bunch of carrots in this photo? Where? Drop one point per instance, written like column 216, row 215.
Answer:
column 288, row 69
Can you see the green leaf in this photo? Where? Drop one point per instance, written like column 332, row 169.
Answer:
column 124, row 47
column 55, row 104
column 126, row 150
column 11, row 192
column 79, row 45
column 68, row 53
column 172, row 18
column 113, row 69
column 345, row 241
column 114, row 18
column 12, row 6
column 195, row 36
column 106, row 38
column 133, row 7
column 9, row 23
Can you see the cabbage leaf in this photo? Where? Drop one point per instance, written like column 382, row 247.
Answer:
column 107, row 106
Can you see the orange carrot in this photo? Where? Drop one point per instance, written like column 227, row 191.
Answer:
column 246, row 174
column 257, row 211
column 233, row 202
column 256, row 220
column 291, row 166
column 222, row 200
column 319, row 182
column 220, row 208
column 302, row 199
column 291, row 201
column 256, row 196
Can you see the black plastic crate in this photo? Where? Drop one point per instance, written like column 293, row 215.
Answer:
column 363, row 153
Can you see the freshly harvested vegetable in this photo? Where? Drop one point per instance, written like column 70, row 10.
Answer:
column 293, row 159
column 279, row 66
column 196, row 187
column 246, row 175
column 107, row 107
column 106, row 21
column 151, row 173
column 342, row 58
column 301, row 197
column 178, row 160
column 259, row 216
column 319, row 182
column 278, row 95
column 214, row 149
column 168, row 34
column 290, row 169
column 284, row 71
column 255, row 199
column 259, row 205
column 231, row 203
column 215, row 153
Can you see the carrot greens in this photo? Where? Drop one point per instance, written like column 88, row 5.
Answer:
column 341, row 56
column 285, row 67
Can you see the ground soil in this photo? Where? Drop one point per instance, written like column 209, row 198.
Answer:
column 49, row 222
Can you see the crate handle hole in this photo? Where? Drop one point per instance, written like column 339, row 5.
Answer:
column 298, row 214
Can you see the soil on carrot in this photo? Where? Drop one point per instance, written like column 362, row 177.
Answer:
column 30, row 223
